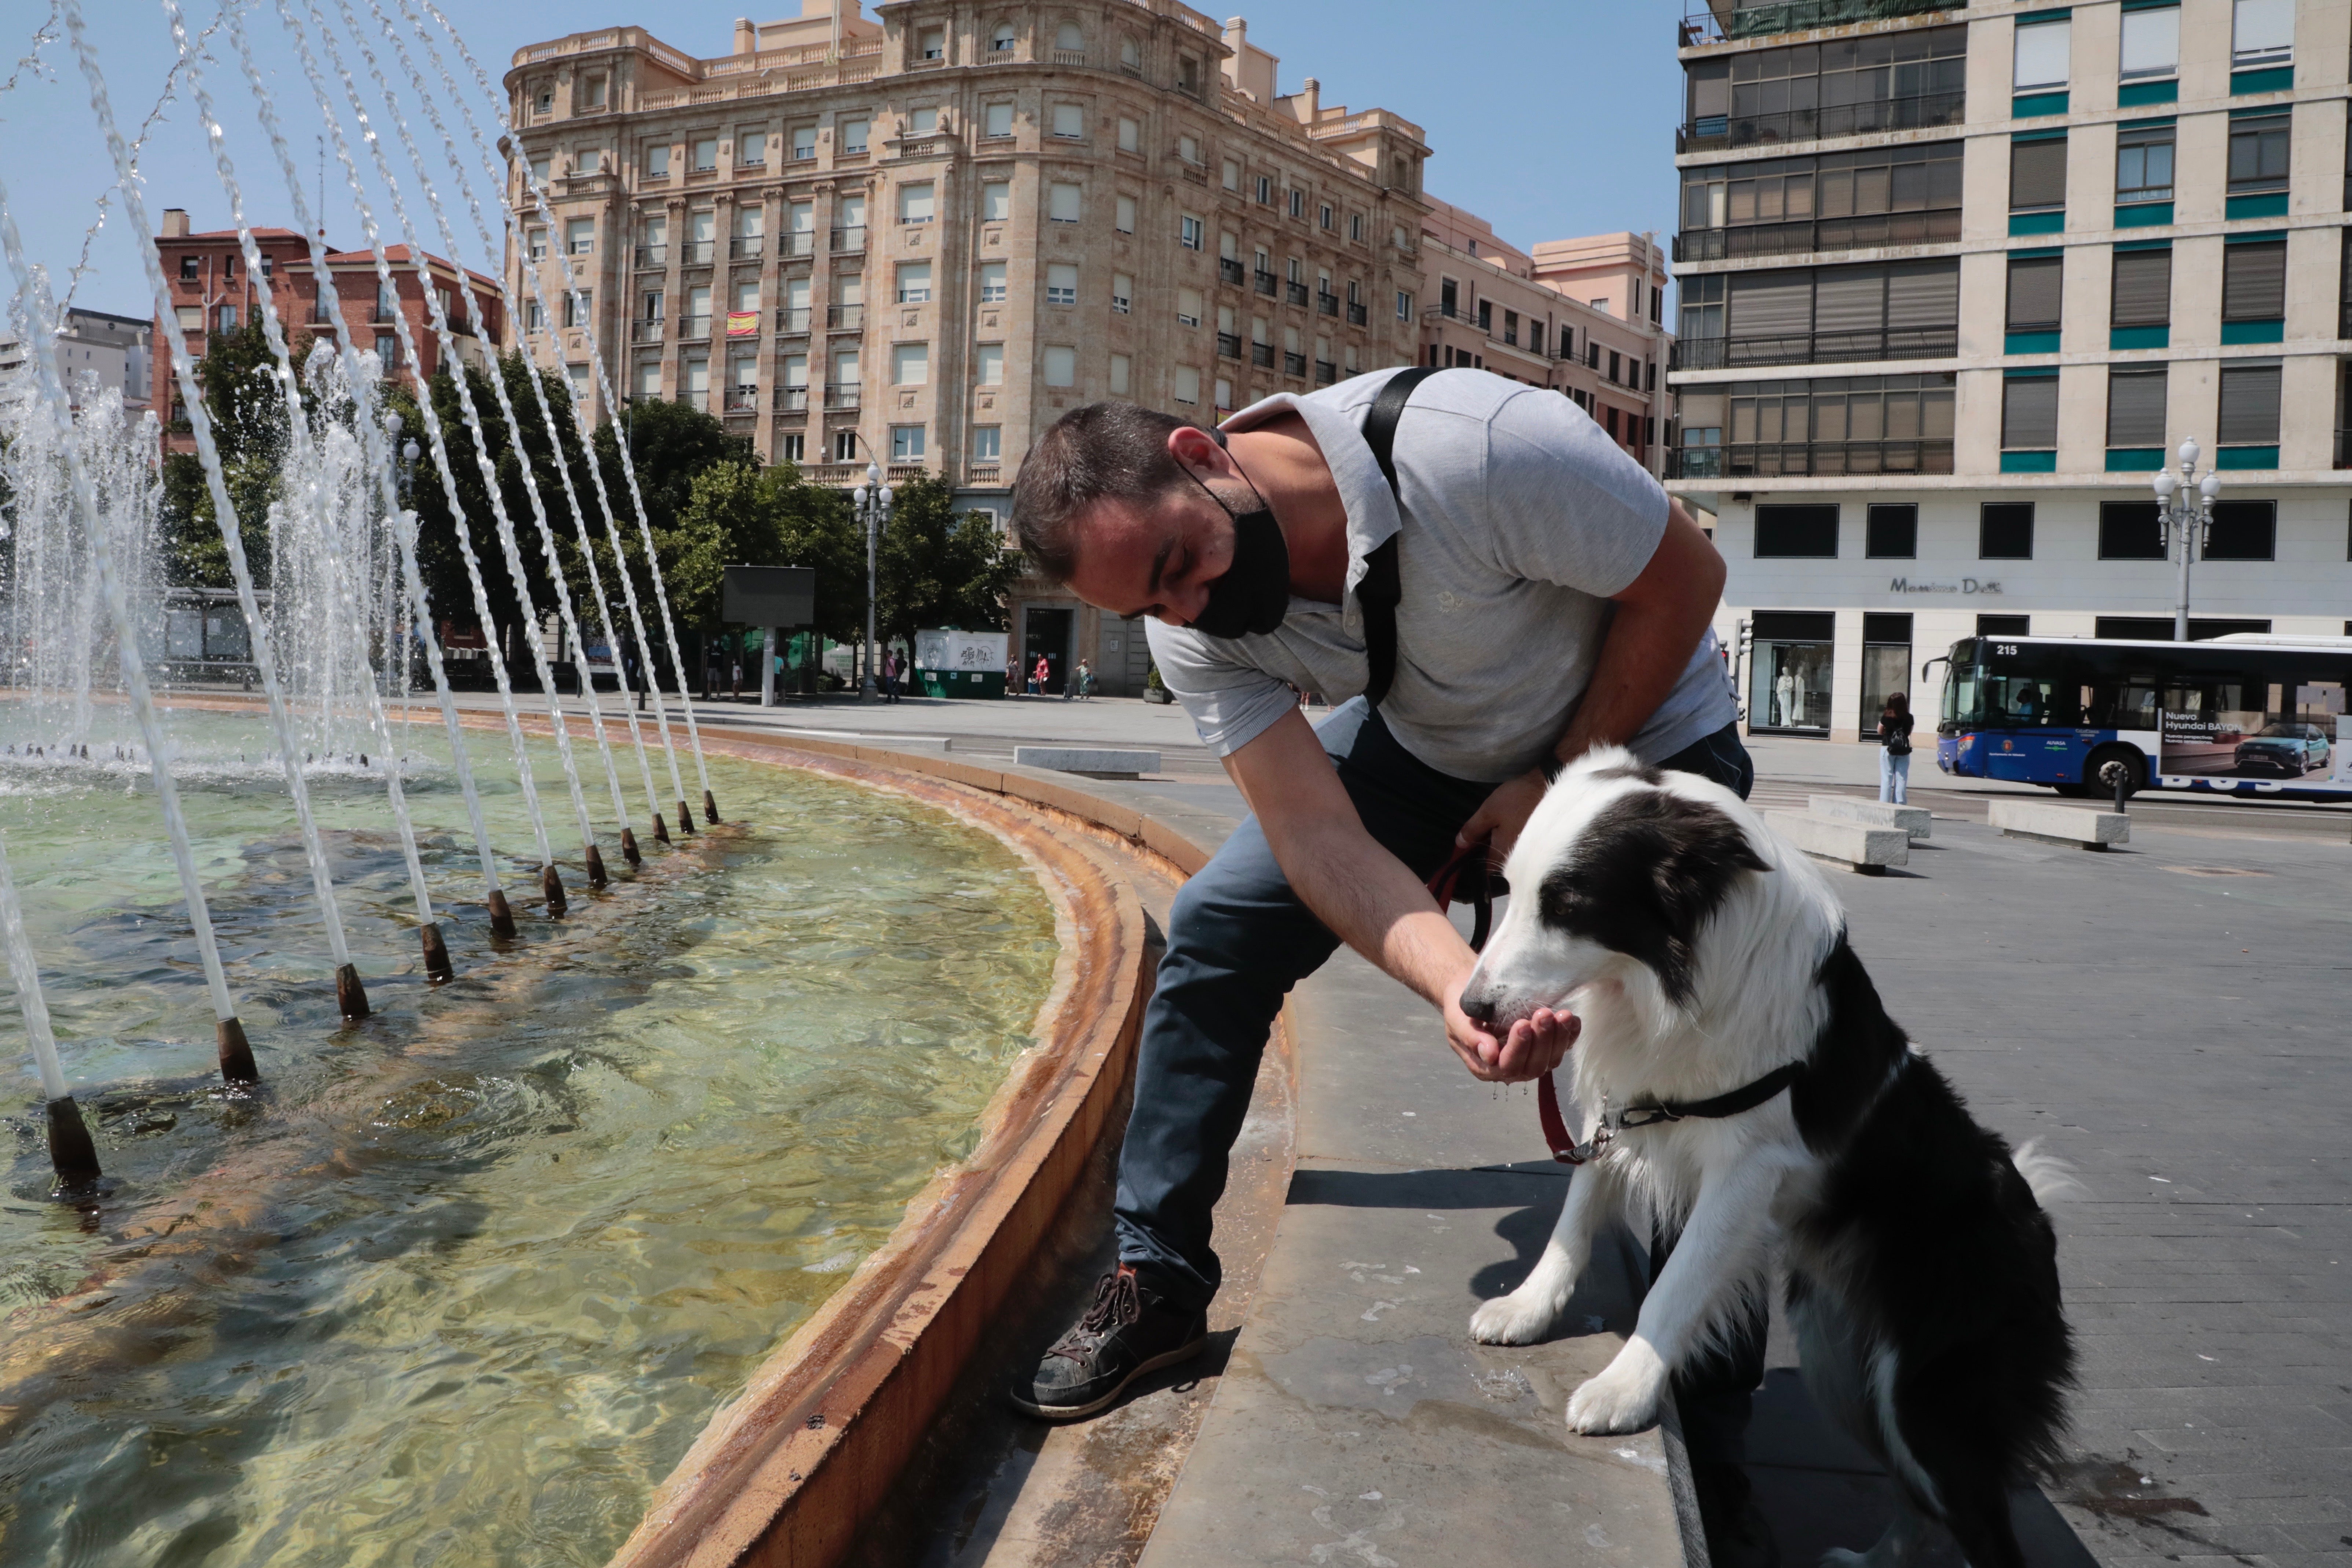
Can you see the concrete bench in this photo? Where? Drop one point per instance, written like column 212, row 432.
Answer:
column 1094, row 761
column 1854, row 845
column 2054, row 824
column 1915, row 820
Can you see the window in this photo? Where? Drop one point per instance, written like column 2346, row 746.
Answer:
column 1224, row 390
column 1356, row 228
column 1122, row 293
column 387, row 350
column 592, row 93
column 915, row 204
column 988, row 364
column 996, row 120
column 1189, row 233
column 536, row 243
column 1232, row 180
column 2261, row 32
column 1067, row 36
column 192, row 317
column 2004, row 626
column 1123, row 219
column 706, row 153
column 542, row 102
column 2151, row 43
column 1188, row 148
column 1297, row 202
column 2029, row 412
column 845, row 446
column 589, row 161
column 579, row 237
column 2253, row 281
column 1061, row 200
column 1891, row 532
column 2128, row 531
column 1265, row 190
column 1130, row 135
column 542, row 169
column 1061, row 284
column 931, row 44
column 910, row 363
column 1120, row 371
column 2258, row 153
column 1186, row 384
column 992, row 282
column 1070, row 121
column 2142, row 295
column 227, row 318
column 658, row 161
column 794, row 448
column 1793, row 532
column 2035, row 285
column 854, row 134
column 1061, row 366
column 1002, row 40
column 1404, row 306
column 987, row 443
column 846, row 368
column 2136, row 406
column 2005, row 531
column 189, row 266
column 905, row 443
column 2037, row 174
column 752, row 147
column 914, row 282
column 1324, row 218
column 650, row 378
column 923, row 122
column 534, row 318
column 995, row 201
column 1188, row 307
column 2041, row 55
column 2250, row 404
column 2243, row 531
column 2144, row 160
column 1131, row 56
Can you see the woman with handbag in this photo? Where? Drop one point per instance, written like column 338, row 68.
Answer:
column 1895, row 749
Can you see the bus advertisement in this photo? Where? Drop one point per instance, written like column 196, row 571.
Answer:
column 2248, row 714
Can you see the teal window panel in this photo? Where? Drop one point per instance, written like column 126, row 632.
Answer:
column 2144, row 215
column 2253, row 331
column 2034, row 462
column 2274, row 78
column 2135, row 459
column 2054, row 14
column 2029, row 105
column 2139, row 337
column 2024, row 251
column 2246, row 457
column 2257, row 237
column 2037, row 222
column 2030, row 344
column 2132, row 93
column 2267, row 204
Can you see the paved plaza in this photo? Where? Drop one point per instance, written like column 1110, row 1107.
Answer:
column 2168, row 1017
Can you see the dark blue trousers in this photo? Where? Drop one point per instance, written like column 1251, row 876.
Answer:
column 1238, row 940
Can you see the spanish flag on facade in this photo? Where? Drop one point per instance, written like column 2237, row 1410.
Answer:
column 743, row 323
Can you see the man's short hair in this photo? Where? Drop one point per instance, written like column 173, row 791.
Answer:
column 1105, row 451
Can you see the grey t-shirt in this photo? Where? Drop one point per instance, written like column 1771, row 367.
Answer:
column 1525, row 519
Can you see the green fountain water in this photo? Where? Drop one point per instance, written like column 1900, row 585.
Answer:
column 483, row 1265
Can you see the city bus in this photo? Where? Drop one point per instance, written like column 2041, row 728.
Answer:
column 2250, row 714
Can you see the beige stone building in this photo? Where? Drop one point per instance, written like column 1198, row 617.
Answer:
column 1954, row 282
column 917, row 241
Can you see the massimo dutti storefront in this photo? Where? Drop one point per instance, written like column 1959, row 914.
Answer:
column 1835, row 599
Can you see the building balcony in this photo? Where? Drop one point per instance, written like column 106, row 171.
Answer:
column 1229, row 345
column 1294, row 365
column 841, row 396
column 1068, row 57
column 646, row 331
column 792, row 400
column 653, row 255
column 1266, row 283
column 1232, row 271
column 898, row 473
column 745, row 247
column 1815, row 125
column 845, row 318
column 743, row 400
column 1326, row 372
column 1725, row 20
column 800, row 242
column 1815, row 348
column 1294, row 293
column 1355, row 314
column 1262, row 355
column 690, row 327
column 1798, row 459
column 696, row 252
column 1327, row 304
column 984, row 474
column 791, row 318
column 1938, row 226
column 849, row 240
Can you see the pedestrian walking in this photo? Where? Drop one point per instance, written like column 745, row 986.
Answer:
column 1086, row 680
column 1895, row 749
column 891, row 669
column 1011, row 675
column 1040, row 675
column 1545, row 596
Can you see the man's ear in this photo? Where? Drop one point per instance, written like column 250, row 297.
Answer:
column 1196, row 449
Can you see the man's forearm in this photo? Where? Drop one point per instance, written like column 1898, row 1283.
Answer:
column 1372, row 900
column 1641, row 659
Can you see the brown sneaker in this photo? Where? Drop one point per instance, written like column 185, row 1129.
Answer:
column 1130, row 1330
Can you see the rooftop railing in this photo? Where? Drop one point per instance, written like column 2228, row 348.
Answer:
column 1933, row 227
column 1815, row 348
column 1728, row 20
column 1912, row 113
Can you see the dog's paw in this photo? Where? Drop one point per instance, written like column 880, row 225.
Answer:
column 1624, row 1396
column 1520, row 1318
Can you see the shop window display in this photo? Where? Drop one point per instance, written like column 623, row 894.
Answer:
column 1789, row 681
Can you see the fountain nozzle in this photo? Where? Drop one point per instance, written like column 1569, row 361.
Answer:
column 437, row 955
column 553, row 886
column 236, row 1053
column 685, row 817
column 629, row 849
column 502, row 913
column 596, row 878
column 709, row 809
column 351, row 996
column 71, row 1149
column 661, row 829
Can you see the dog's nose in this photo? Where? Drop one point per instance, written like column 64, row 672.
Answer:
column 1478, row 1005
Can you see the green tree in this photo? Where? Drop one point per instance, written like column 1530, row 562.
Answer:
column 739, row 515
column 238, row 380
column 940, row 567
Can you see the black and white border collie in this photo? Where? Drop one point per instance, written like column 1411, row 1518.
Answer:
column 1702, row 954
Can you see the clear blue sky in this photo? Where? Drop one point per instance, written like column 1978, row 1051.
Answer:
column 1549, row 117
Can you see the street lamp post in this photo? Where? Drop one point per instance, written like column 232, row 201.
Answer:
column 2184, row 518
column 874, row 499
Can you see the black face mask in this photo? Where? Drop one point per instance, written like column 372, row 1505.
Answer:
column 1253, row 595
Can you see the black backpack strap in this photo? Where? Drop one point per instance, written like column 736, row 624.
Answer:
column 1378, row 595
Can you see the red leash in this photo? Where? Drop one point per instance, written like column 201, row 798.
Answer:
column 1462, row 879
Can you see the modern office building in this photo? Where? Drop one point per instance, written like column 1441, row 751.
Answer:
column 96, row 349
column 212, row 291
column 1955, row 283
column 918, row 241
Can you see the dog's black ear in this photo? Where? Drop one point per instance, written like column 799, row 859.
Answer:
column 1648, row 872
